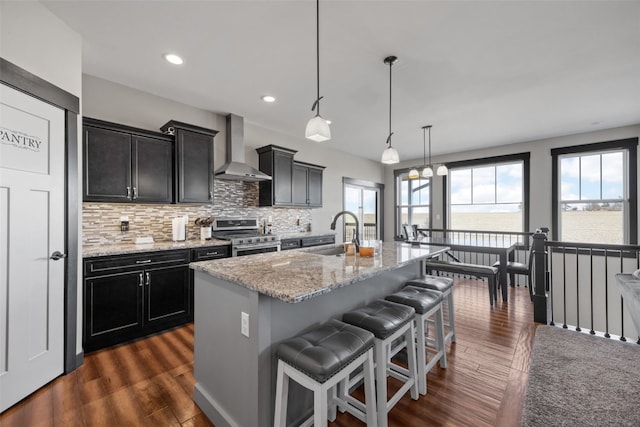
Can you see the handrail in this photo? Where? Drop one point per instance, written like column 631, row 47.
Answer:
column 446, row 230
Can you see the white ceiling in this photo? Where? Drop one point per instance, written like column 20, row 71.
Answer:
column 483, row 73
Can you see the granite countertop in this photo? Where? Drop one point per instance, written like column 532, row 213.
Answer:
column 131, row 248
column 295, row 276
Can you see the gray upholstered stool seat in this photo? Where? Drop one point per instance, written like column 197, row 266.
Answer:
column 322, row 352
column 444, row 285
column 319, row 360
column 436, row 283
column 380, row 317
column 422, row 300
column 389, row 322
column 428, row 306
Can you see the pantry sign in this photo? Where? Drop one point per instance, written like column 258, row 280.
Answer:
column 24, row 140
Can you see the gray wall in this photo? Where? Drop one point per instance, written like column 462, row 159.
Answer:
column 540, row 187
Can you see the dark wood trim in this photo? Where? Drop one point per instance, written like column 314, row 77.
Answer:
column 362, row 183
column 631, row 145
column 186, row 126
column 71, row 266
column 494, row 159
column 271, row 147
column 24, row 81
column 102, row 124
column 32, row 85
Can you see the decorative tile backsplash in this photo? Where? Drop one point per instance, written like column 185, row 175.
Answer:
column 101, row 221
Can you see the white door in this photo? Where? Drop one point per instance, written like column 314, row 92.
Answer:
column 365, row 203
column 32, row 146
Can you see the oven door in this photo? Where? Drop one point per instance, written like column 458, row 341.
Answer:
column 241, row 250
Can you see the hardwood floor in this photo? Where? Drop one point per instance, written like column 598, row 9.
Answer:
column 150, row 382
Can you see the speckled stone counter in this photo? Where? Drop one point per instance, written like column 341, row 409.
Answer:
column 295, row 276
column 280, row 295
column 130, row 248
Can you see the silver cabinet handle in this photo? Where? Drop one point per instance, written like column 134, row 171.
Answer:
column 145, row 261
column 129, row 193
column 148, row 279
column 141, row 281
column 57, row 255
column 210, row 195
column 213, row 253
column 135, row 192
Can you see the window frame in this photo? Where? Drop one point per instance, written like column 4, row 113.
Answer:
column 491, row 161
column 629, row 144
column 397, row 206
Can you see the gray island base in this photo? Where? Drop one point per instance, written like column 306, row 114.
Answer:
column 284, row 294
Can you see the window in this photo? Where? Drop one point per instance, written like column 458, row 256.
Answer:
column 489, row 194
column 594, row 201
column 413, row 201
column 365, row 200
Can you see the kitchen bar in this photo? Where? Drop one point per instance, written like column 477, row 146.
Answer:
column 245, row 306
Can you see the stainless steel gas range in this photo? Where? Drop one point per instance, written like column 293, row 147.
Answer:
column 244, row 237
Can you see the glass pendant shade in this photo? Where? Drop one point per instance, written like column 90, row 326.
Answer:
column 390, row 156
column 427, row 172
column 318, row 129
column 442, row 170
column 414, row 174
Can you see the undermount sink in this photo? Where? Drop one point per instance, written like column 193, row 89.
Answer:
column 334, row 250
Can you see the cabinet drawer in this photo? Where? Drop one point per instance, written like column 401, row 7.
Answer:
column 213, row 252
column 289, row 244
column 316, row 241
column 108, row 265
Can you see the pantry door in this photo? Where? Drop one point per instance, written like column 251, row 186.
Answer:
column 32, row 242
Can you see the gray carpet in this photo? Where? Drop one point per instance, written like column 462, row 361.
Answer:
column 580, row 380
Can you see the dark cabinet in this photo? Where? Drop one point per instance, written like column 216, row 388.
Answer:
column 211, row 252
column 124, row 164
column 286, row 244
column 193, row 162
column 277, row 162
column 307, row 184
column 293, row 184
column 130, row 296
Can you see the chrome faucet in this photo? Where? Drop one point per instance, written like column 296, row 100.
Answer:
column 356, row 235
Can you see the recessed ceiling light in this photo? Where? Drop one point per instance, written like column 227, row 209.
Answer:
column 269, row 98
column 173, row 58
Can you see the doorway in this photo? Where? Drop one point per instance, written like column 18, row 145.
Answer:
column 365, row 200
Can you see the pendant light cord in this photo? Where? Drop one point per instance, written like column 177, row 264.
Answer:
column 390, row 133
column 317, row 103
column 424, row 147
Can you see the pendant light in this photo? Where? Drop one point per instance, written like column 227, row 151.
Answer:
column 317, row 128
column 427, row 172
column 390, row 155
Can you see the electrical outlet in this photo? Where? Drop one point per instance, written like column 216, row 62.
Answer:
column 244, row 324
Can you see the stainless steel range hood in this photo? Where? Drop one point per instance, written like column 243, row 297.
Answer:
column 236, row 169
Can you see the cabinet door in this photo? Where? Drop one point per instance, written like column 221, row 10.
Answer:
column 194, row 153
column 112, row 309
column 152, row 173
column 300, row 184
column 282, row 175
column 167, row 296
column 314, row 193
column 106, row 165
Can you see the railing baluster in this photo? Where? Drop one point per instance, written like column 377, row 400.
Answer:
column 564, row 285
column 592, row 332
column 549, row 256
column 606, row 293
column 577, row 291
column 622, row 337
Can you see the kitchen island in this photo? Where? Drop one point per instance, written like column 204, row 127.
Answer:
column 245, row 306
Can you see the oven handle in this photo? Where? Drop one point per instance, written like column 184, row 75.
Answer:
column 236, row 248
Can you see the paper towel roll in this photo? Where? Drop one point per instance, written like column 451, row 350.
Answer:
column 178, row 229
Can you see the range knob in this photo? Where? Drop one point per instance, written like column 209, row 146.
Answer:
column 240, row 241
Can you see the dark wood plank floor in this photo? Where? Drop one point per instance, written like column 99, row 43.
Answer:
column 150, row 382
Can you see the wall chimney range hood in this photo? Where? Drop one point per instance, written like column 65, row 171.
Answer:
column 235, row 168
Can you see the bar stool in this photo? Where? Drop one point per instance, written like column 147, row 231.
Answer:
column 427, row 304
column 444, row 285
column 388, row 321
column 320, row 359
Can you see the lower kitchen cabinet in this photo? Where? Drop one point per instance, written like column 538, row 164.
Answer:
column 305, row 242
column 130, row 296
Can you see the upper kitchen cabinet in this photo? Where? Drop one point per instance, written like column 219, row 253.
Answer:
column 193, row 157
column 307, row 185
column 277, row 162
column 125, row 164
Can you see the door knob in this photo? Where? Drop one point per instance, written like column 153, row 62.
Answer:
column 57, row 255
